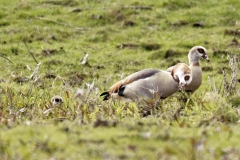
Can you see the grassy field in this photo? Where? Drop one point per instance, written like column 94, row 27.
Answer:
column 46, row 41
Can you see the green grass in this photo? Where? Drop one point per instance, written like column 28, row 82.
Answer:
column 120, row 38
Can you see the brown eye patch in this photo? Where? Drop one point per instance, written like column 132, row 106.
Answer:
column 200, row 50
column 58, row 100
column 187, row 78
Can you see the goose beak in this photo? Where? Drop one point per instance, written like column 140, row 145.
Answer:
column 206, row 57
column 182, row 86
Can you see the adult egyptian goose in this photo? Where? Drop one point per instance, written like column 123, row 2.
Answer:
column 194, row 56
column 150, row 83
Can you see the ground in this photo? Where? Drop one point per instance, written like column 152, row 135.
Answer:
column 44, row 42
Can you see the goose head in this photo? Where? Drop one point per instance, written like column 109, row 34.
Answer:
column 182, row 74
column 196, row 53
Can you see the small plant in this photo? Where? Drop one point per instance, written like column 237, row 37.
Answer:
column 230, row 85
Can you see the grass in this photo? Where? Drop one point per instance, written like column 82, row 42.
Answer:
column 120, row 38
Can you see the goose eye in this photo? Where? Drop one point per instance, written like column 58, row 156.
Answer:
column 187, row 78
column 200, row 50
column 58, row 100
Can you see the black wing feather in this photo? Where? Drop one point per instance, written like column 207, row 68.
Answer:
column 105, row 95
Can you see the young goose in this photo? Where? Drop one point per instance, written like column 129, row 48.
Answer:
column 150, row 83
column 194, row 56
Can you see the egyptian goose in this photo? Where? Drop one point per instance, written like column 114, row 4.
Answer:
column 150, row 83
column 194, row 56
